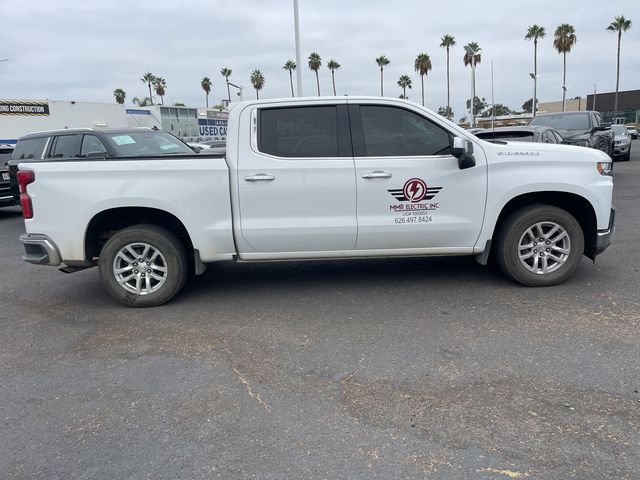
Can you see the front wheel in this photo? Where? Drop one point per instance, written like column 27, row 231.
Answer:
column 143, row 266
column 539, row 245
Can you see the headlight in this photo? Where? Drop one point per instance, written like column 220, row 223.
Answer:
column 605, row 168
column 580, row 143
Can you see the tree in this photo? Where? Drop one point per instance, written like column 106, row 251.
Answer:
column 404, row 82
column 120, row 95
column 291, row 66
column 382, row 62
column 445, row 112
column 147, row 79
column 178, row 104
column 160, row 85
column 333, row 66
column 142, row 102
column 447, row 42
column 477, row 58
column 226, row 73
column 205, row 83
column 315, row 62
column 533, row 33
column 563, row 39
column 257, row 80
column 423, row 67
column 498, row 110
column 528, row 105
column 479, row 105
column 620, row 24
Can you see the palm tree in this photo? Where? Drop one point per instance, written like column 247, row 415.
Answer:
column 477, row 58
column 382, row 62
column 333, row 66
column 447, row 42
column 148, row 78
column 142, row 102
column 205, row 83
column 120, row 95
column 404, row 82
column 620, row 24
column 257, row 80
column 315, row 62
column 226, row 73
column 533, row 33
column 159, row 85
column 423, row 67
column 291, row 66
column 563, row 39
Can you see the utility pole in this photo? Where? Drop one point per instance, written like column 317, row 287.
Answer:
column 296, row 22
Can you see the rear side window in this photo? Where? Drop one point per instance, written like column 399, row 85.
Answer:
column 66, row 146
column 396, row 132
column 29, row 148
column 298, row 131
column 92, row 146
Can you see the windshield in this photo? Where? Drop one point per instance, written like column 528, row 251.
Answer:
column 619, row 129
column 563, row 122
column 146, row 144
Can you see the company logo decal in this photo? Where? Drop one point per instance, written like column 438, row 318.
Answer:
column 414, row 190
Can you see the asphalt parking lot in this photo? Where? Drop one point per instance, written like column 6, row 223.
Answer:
column 406, row 368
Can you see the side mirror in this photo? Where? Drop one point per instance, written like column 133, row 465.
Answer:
column 463, row 150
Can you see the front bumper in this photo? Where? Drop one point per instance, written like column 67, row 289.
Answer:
column 621, row 149
column 604, row 237
column 40, row 249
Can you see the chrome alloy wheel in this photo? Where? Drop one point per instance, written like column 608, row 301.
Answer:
column 544, row 247
column 140, row 268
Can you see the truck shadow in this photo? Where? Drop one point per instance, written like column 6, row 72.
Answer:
column 228, row 278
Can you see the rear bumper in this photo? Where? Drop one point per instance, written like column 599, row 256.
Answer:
column 40, row 249
column 604, row 237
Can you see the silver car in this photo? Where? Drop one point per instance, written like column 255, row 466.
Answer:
column 621, row 143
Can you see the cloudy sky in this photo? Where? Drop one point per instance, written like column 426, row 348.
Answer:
column 83, row 50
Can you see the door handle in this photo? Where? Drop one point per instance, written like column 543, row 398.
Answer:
column 376, row 174
column 260, row 177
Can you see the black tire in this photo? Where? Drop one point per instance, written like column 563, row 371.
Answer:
column 165, row 252
column 627, row 157
column 513, row 236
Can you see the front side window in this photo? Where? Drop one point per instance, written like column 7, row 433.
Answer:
column 298, row 131
column 92, row 146
column 66, row 146
column 396, row 132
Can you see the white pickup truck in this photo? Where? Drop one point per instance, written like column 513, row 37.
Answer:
column 330, row 178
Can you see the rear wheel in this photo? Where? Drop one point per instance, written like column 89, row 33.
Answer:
column 539, row 245
column 143, row 266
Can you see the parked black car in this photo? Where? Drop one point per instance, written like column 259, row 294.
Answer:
column 7, row 198
column 538, row 134
column 585, row 129
column 93, row 143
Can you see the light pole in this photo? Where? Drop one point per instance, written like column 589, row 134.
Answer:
column 534, row 101
column 472, row 53
column 594, row 97
column 296, row 24
column 239, row 92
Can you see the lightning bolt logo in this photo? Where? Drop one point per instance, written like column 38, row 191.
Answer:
column 414, row 190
